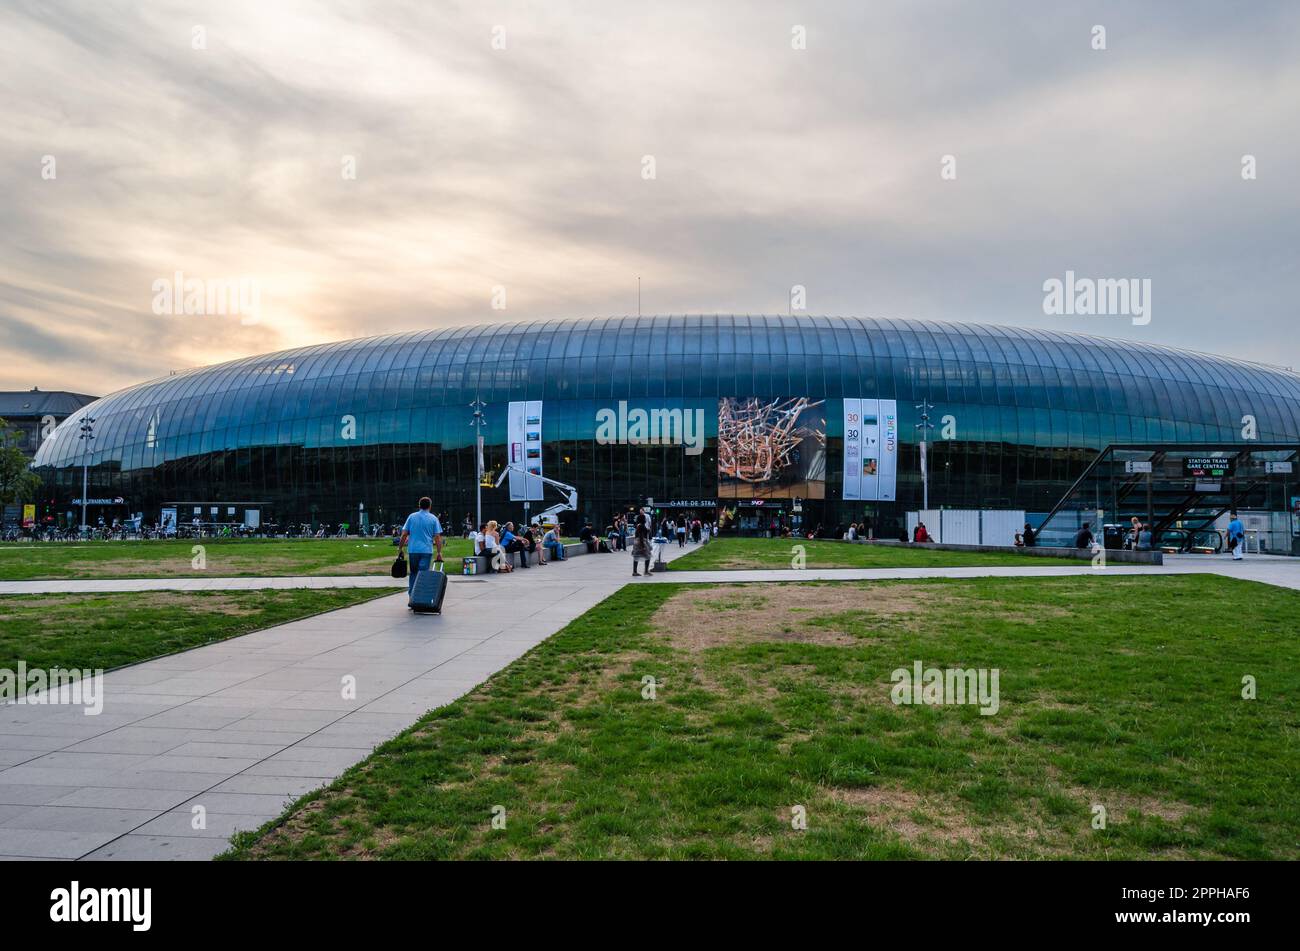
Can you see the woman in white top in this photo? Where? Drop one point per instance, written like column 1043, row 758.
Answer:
column 492, row 549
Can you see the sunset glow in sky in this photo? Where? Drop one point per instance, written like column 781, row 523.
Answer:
column 478, row 168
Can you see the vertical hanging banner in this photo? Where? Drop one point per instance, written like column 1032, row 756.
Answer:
column 852, row 449
column 524, row 435
column 870, row 450
column 888, row 451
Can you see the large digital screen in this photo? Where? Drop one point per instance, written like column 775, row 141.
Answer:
column 771, row 448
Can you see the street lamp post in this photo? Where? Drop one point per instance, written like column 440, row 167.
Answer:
column 478, row 423
column 924, row 425
column 87, row 434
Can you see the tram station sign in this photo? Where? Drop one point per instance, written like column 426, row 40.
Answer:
column 1202, row 466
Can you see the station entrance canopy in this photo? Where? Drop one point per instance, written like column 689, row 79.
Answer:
column 1186, row 485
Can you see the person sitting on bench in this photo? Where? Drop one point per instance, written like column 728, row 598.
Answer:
column 492, row 550
column 511, row 544
column 551, row 542
column 531, row 544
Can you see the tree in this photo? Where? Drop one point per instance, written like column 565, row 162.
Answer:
column 17, row 482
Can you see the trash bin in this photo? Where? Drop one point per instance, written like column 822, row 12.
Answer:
column 1113, row 536
column 658, row 544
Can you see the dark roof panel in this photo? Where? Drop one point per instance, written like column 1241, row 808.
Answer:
column 42, row 402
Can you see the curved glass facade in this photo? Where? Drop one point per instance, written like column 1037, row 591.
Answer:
column 318, row 432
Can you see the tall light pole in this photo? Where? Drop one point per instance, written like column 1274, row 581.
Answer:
column 87, row 434
column 924, row 425
column 478, row 422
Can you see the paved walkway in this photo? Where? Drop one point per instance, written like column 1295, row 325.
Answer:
column 1276, row 569
column 1270, row 569
column 244, row 727
column 1279, row 570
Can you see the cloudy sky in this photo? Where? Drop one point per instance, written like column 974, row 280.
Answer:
column 382, row 165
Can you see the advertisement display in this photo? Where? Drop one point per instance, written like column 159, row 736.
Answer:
column 771, row 448
column 29, row 516
column 852, row 462
column 870, row 450
column 524, row 435
column 888, row 484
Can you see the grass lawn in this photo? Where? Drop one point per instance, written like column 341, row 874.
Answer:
column 820, row 553
column 109, row 630
column 1121, row 692
column 228, row 558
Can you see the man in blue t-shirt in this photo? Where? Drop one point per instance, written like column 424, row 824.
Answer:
column 511, row 543
column 1236, row 537
column 423, row 531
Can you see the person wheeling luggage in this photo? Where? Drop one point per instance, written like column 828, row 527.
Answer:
column 423, row 531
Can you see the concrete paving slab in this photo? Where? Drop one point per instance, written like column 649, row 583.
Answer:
column 106, row 797
column 15, row 757
column 77, row 819
column 51, row 843
column 158, row 848
column 34, row 795
column 214, row 825
column 234, row 803
column 40, row 744
column 291, row 786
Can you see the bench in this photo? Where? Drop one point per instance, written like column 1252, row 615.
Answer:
column 570, row 551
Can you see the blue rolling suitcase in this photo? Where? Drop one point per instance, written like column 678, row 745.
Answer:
column 429, row 590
